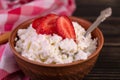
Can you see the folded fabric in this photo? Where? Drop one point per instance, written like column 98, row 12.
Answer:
column 12, row 14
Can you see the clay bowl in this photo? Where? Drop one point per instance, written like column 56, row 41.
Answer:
column 70, row 71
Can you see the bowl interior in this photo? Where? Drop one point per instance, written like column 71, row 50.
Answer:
column 96, row 33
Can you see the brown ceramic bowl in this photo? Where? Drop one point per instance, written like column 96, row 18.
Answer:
column 70, row 71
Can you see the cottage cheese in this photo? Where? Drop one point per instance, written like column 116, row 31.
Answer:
column 52, row 48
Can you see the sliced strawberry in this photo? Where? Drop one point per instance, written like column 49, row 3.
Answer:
column 65, row 27
column 37, row 22
column 47, row 24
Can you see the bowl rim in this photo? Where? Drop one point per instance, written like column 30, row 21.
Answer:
column 58, row 65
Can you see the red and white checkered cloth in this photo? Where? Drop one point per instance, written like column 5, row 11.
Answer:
column 14, row 13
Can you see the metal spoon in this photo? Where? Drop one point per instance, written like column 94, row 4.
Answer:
column 103, row 15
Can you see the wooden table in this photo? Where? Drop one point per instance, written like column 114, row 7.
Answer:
column 107, row 66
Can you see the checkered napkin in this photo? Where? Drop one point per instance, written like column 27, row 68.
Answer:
column 16, row 12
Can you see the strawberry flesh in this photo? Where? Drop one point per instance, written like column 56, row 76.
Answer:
column 65, row 27
column 46, row 25
column 37, row 22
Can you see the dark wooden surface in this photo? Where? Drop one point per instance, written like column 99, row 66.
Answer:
column 107, row 66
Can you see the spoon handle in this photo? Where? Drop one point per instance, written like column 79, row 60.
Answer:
column 4, row 37
column 103, row 15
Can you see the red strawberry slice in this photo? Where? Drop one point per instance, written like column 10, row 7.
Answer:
column 37, row 22
column 46, row 25
column 65, row 27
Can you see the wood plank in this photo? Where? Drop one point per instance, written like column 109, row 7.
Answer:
column 107, row 66
column 93, row 7
column 98, row 2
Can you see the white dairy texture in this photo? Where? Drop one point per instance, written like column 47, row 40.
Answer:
column 52, row 48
